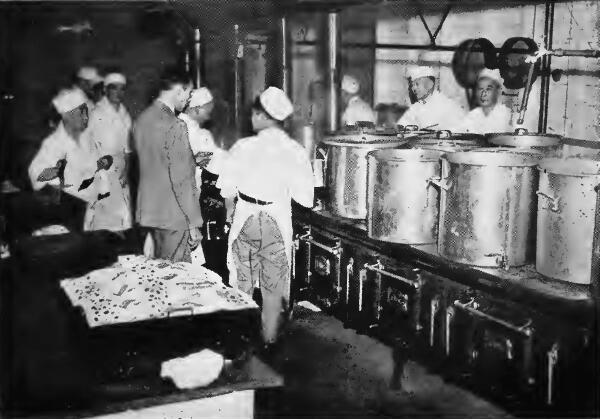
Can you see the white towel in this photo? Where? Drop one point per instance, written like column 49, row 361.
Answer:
column 195, row 370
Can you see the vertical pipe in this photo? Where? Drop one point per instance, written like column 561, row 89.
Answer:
column 237, row 85
column 187, row 62
column 333, row 44
column 197, row 59
column 286, row 68
column 545, row 67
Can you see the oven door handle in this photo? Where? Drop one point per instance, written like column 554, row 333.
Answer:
column 472, row 307
column 334, row 250
column 379, row 268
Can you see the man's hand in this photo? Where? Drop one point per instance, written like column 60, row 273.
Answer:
column 104, row 162
column 195, row 237
column 202, row 159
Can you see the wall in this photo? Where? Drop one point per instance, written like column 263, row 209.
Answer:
column 573, row 107
column 44, row 59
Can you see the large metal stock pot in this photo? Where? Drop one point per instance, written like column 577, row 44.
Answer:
column 573, row 147
column 565, row 218
column 488, row 207
column 346, row 170
column 402, row 205
column 521, row 138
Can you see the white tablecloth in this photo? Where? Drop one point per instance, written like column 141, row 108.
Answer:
column 136, row 288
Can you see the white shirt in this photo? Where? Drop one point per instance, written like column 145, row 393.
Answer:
column 110, row 128
column 81, row 164
column 436, row 112
column 271, row 167
column 358, row 110
column 201, row 140
column 477, row 122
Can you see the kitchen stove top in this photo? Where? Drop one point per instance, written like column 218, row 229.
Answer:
column 523, row 276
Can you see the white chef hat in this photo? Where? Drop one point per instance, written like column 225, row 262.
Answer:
column 89, row 73
column 200, row 97
column 420, row 71
column 490, row 74
column 276, row 103
column 350, row 84
column 114, row 78
column 69, row 99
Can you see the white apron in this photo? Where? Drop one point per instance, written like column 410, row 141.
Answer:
column 114, row 212
column 281, row 213
column 108, row 132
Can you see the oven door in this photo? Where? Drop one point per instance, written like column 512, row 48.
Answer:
column 319, row 270
column 490, row 348
column 389, row 299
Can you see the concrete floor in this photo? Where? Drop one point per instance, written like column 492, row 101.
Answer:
column 333, row 372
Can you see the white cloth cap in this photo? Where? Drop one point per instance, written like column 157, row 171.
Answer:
column 114, row 78
column 200, row 97
column 276, row 103
column 350, row 85
column 421, row 71
column 490, row 74
column 89, row 73
column 69, row 99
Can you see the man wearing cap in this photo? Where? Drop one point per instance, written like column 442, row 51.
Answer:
column 357, row 110
column 201, row 140
column 491, row 115
column 88, row 81
column 432, row 110
column 167, row 201
column 265, row 172
column 65, row 158
column 206, row 153
column 109, row 131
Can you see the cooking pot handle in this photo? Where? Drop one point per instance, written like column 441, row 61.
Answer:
column 555, row 207
column 324, row 154
column 439, row 182
column 521, row 131
column 408, row 128
column 445, row 133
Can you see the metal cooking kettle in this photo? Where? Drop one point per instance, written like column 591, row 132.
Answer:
column 521, row 138
column 344, row 157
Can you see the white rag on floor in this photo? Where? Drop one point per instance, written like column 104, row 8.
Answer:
column 196, row 370
column 51, row 230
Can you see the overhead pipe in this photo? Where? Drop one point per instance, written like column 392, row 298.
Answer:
column 197, row 59
column 545, row 68
column 333, row 47
column 586, row 53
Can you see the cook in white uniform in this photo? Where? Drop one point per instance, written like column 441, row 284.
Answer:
column 109, row 131
column 201, row 140
column 66, row 148
column 432, row 110
column 88, row 80
column 265, row 172
column 491, row 115
column 357, row 110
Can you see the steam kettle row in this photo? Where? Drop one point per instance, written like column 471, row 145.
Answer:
column 500, row 200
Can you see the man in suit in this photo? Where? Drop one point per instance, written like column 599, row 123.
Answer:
column 167, row 202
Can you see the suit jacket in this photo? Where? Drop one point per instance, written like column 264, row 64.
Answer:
column 167, row 194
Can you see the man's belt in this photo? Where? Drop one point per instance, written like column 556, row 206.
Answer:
column 253, row 200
